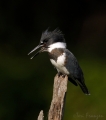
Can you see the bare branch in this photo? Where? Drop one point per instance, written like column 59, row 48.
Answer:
column 58, row 100
column 40, row 117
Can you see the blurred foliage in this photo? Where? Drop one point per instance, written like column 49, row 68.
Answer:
column 26, row 85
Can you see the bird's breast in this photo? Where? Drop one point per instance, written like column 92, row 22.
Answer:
column 60, row 64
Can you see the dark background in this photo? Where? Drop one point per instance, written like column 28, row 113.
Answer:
column 26, row 85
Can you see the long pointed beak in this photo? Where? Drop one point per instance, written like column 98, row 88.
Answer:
column 39, row 46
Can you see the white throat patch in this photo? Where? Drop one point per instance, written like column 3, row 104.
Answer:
column 56, row 45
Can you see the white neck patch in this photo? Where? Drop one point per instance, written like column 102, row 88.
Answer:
column 56, row 45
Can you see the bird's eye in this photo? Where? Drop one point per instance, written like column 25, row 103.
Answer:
column 45, row 40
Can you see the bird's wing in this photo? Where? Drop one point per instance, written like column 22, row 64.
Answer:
column 75, row 71
column 73, row 66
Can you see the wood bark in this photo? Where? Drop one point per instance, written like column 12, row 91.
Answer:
column 40, row 117
column 56, row 110
column 58, row 101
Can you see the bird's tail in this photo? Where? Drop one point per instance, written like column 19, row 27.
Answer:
column 84, row 88
column 72, row 81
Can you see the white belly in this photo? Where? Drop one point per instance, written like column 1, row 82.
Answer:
column 60, row 64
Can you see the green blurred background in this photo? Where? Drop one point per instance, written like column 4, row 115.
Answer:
column 26, row 85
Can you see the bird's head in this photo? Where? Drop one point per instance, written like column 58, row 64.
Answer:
column 49, row 41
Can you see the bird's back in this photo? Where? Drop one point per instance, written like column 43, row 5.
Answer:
column 76, row 74
column 72, row 65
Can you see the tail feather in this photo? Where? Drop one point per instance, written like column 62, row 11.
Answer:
column 84, row 88
column 82, row 85
column 72, row 81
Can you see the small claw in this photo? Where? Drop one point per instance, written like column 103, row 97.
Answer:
column 59, row 74
column 63, row 75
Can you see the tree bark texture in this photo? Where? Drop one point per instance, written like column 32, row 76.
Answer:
column 40, row 117
column 58, row 101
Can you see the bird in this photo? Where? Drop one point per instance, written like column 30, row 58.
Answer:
column 61, row 58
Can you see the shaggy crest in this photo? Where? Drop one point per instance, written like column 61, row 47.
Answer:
column 56, row 34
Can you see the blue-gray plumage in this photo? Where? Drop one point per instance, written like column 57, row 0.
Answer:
column 62, row 59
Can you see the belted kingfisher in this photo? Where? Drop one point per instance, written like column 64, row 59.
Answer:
column 62, row 59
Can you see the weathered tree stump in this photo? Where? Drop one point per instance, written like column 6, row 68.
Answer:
column 58, row 100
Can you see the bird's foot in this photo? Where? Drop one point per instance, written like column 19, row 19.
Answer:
column 63, row 75
column 60, row 74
